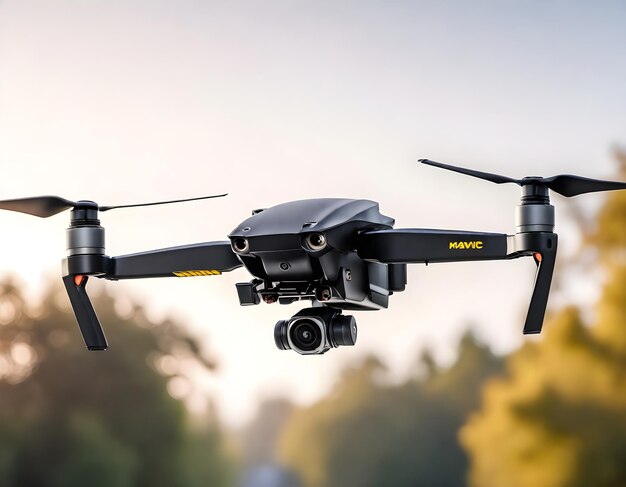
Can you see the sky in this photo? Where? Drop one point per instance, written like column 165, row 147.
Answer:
column 131, row 101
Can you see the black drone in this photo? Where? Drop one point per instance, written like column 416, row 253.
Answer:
column 341, row 254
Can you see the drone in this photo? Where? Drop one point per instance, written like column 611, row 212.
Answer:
column 340, row 254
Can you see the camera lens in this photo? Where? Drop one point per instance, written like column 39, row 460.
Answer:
column 305, row 335
column 316, row 242
column 240, row 245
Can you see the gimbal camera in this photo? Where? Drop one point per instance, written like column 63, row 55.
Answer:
column 314, row 331
column 340, row 254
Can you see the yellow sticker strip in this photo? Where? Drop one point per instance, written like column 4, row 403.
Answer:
column 196, row 273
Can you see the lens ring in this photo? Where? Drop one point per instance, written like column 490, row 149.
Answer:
column 240, row 245
column 316, row 242
column 280, row 335
column 305, row 335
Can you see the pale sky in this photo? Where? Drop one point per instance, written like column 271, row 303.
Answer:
column 123, row 102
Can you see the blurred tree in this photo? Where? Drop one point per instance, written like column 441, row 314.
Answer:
column 258, row 445
column 369, row 433
column 73, row 418
column 559, row 417
column 259, row 439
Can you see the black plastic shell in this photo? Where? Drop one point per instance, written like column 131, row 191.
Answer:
column 277, row 251
column 308, row 216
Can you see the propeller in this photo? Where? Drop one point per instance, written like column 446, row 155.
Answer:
column 45, row 206
column 564, row 184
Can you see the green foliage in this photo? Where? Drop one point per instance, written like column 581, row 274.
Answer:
column 93, row 454
column 203, row 460
column 559, row 417
column 69, row 417
column 369, row 433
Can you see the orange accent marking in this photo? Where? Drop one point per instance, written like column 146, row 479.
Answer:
column 537, row 256
column 78, row 280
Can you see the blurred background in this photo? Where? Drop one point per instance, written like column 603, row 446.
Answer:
column 130, row 101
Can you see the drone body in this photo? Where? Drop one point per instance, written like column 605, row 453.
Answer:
column 306, row 250
column 340, row 254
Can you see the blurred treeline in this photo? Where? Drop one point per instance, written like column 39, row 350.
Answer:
column 72, row 418
column 551, row 414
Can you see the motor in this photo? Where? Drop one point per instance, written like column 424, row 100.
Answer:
column 314, row 331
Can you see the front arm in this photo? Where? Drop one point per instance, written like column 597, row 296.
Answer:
column 418, row 245
column 204, row 259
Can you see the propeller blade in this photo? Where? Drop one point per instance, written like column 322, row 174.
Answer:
column 570, row 185
column 41, row 206
column 494, row 178
column 565, row 184
column 107, row 208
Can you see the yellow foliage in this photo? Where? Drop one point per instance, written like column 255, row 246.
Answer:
column 558, row 419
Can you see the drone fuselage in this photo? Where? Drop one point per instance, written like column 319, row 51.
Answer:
column 307, row 250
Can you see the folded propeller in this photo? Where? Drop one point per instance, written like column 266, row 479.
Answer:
column 45, row 206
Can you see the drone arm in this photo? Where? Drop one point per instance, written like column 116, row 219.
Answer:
column 204, row 259
column 209, row 258
column 423, row 246
column 417, row 245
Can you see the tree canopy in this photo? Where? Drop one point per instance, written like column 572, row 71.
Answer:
column 69, row 417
